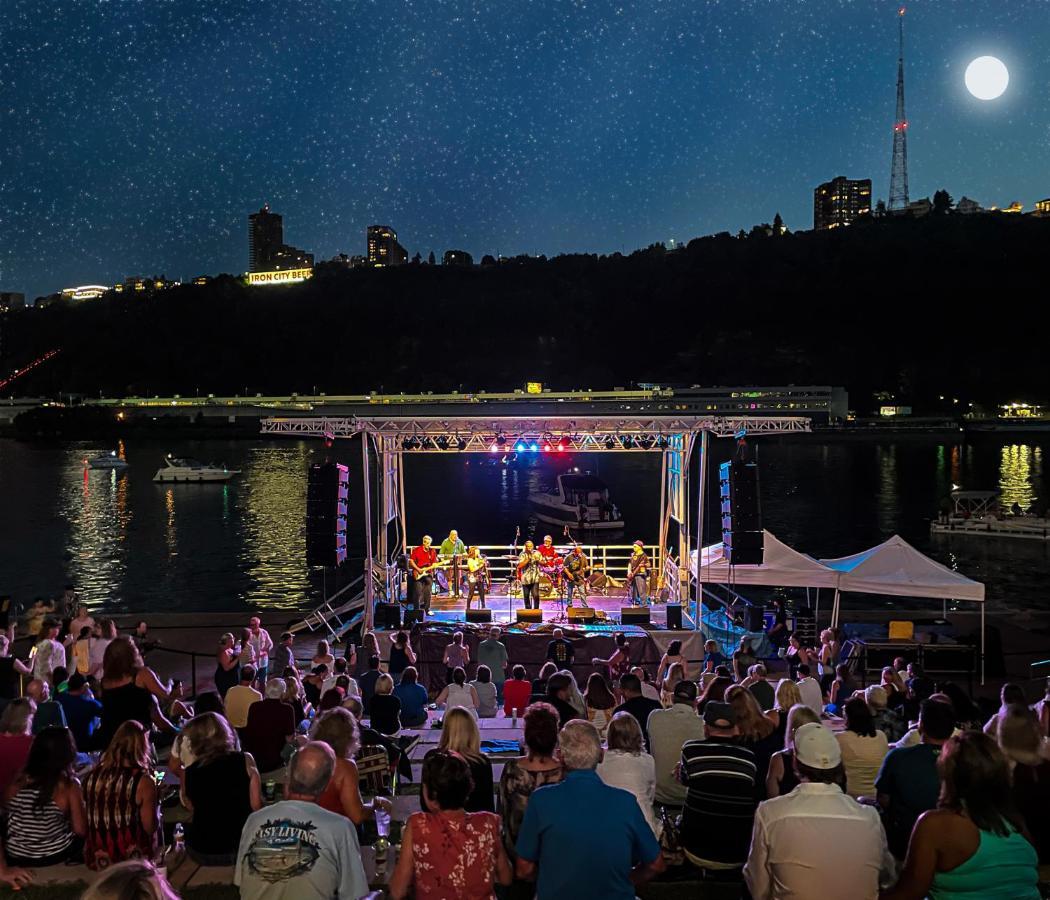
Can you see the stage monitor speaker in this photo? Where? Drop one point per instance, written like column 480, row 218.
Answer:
column 388, row 615
column 674, row 616
column 479, row 615
column 413, row 617
column 530, row 616
column 634, row 615
column 756, row 618
column 582, row 614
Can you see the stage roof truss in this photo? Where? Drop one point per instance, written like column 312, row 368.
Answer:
column 583, row 434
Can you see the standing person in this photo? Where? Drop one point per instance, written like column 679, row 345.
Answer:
column 79, row 622
column 974, row 844
column 294, row 848
column 323, row 656
column 220, row 789
column 524, row 774
column 339, row 730
column 421, row 563
column 778, row 633
column 669, row 729
column 458, row 694
column 619, row 663
column 82, row 651
column 560, row 651
column 123, row 810
column 1021, row 742
column 452, row 551
column 599, row 703
column 130, row 690
column 413, row 697
column 626, row 765
column 447, row 851
column 401, row 656
column 10, row 668
column 781, row 777
column 743, row 658
column 485, row 690
column 793, row 834
column 284, row 655
column 563, row 815
column 672, row 656
column 720, row 776
column 638, row 574
column 106, row 631
column 493, row 653
column 49, row 654
column 636, row 703
column 477, row 577
column 460, row 736
column 45, row 817
column 16, row 737
column 864, row 748
column 713, row 657
column 529, row 575
column 227, row 665
column 908, row 784
column 516, row 692
column 575, row 574
column 457, row 655
column 262, row 646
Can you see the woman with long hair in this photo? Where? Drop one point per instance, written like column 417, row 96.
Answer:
column 130, row 691
column 974, row 844
column 49, row 653
column 715, row 690
column 672, row 656
column 323, row 656
column 338, row 729
column 626, row 765
column 1022, row 744
column 896, row 689
column 136, row 879
column 401, row 656
column 123, row 812
column 675, row 673
column 227, row 665
column 460, row 735
column 600, row 702
column 413, row 697
column 619, row 663
column 537, row 768
column 458, row 694
column 448, row 849
column 16, row 738
column 358, row 658
column 46, row 821
column 863, row 747
column 786, row 695
column 781, row 777
column 539, row 683
column 488, row 704
column 457, row 656
column 221, row 789
column 756, row 732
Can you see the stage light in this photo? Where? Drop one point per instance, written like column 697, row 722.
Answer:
column 645, row 441
column 626, row 441
column 500, row 439
column 493, row 448
column 609, row 443
column 534, row 447
column 520, row 447
column 461, row 443
column 663, row 442
column 442, row 443
column 561, row 445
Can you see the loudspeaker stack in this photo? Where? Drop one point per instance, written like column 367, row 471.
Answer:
column 327, row 499
column 741, row 513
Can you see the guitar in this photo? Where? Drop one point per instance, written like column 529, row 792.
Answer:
column 418, row 573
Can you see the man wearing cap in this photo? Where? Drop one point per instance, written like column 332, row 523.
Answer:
column 721, row 775
column 669, row 729
column 816, row 841
column 638, row 574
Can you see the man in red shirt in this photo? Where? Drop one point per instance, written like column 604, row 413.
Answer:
column 422, row 577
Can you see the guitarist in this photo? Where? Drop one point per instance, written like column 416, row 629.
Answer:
column 421, row 562
column 576, row 567
column 638, row 575
column 477, row 576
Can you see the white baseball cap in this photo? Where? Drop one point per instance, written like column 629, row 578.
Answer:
column 816, row 747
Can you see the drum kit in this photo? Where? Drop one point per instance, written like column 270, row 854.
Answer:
column 552, row 580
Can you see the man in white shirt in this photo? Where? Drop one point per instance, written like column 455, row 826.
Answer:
column 240, row 697
column 294, row 849
column 262, row 644
column 106, row 633
column 817, row 841
column 809, row 688
column 668, row 730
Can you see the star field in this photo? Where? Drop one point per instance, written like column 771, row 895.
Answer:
column 137, row 135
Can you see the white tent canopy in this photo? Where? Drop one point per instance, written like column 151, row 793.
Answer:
column 781, row 567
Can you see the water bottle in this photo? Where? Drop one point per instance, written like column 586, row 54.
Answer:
column 179, row 838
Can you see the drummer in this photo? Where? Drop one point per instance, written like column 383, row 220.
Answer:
column 551, row 561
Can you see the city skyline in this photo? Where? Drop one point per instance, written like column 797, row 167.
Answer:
column 550, row 130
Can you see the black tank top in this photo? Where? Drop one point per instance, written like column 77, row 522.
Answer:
column 219, row 792
column 126, row 703
column 8, row 678
column 398, row 660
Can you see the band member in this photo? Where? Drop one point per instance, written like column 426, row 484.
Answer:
column 576, row 566
column 477, row 576
column 548, row 551
column 452, row 550
column 638, row 574
column 529, row 574
column 421, row 562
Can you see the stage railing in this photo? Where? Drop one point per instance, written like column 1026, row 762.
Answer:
column 606, row 559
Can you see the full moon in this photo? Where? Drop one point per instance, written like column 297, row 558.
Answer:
column 987, row 78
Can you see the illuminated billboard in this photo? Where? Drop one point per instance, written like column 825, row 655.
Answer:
column 281, row 277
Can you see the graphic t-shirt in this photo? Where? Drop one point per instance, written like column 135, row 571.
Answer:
column 296, row 850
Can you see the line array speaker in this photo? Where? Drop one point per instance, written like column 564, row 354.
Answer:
column 327, row 502
column 742, row 537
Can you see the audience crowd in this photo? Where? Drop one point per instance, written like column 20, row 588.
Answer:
column 787, row 784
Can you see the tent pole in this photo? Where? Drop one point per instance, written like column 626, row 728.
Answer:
column 816, row 606
column 835, row 610
column 982, row 643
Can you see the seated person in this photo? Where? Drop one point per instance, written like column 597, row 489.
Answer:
column 413, row 697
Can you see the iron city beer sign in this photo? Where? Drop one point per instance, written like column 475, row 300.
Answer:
column 280, row 277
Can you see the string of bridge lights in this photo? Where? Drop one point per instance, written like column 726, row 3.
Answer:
column 545, row 443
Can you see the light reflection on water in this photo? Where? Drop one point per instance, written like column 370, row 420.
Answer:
column 1018, row 465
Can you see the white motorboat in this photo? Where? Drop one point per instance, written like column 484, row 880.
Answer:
column 185, row 468
column 107, row 461
column 579, row 501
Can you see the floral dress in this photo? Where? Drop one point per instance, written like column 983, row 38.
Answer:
column 454, row 854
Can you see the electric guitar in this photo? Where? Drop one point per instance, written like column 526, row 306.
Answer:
column 418, row 573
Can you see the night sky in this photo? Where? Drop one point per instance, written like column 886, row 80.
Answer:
column 135, row 137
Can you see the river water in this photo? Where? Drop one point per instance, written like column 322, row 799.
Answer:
column 132, row 545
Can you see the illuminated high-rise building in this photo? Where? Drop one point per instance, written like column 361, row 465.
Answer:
column 383, row 248
column 265, row 237
column 841, row 201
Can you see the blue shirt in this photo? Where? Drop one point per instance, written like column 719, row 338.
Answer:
column 575, row 858
column 48, row 713
column 716, row 659
column 82, row 714
column 413, row 699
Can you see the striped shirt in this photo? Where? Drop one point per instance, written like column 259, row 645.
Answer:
column 36, row 832
column 720, row 775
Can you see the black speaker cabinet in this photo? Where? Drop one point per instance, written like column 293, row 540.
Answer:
column 388, row 616
column 412, row 617
column 526, row 616
column 674, row 616
column 756, row 618
column 634, row 615
column 479, row 615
